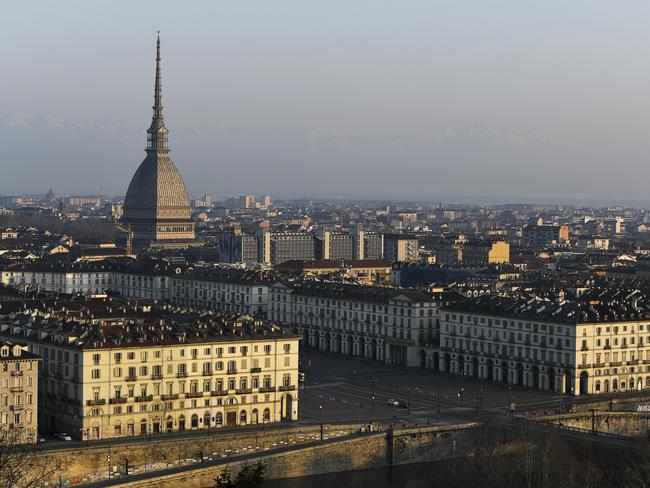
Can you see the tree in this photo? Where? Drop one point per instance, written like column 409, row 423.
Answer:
column 22, row 466
column 248, row 477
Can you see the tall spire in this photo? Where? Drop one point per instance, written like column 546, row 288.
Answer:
column 157, row 132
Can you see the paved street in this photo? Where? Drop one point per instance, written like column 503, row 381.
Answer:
column 340, row 388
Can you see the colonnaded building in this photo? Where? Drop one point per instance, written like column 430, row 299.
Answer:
column 387, row 324
column 597, row 342
column 157, row 208
column 114, row 368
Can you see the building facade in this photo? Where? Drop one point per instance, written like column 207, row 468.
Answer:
column 379, row 323
column 544, row 235
column 399, row 248
column 578, row 348
column 224, row 289
column 145, row 374
column 18, row 392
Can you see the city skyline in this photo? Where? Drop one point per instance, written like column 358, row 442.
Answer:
column 449, row 106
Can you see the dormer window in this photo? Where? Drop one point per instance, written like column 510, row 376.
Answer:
column 4, row 351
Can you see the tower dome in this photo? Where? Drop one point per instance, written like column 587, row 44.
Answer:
column 157, row 207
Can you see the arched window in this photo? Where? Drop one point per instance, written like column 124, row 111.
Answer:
column 267, row 415
column 254, row 416
column 597, row 386
column 219, row 418
column 242, row 417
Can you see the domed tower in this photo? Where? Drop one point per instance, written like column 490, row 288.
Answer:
column 156, row 207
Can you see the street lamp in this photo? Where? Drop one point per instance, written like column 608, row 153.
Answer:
column 372, row 398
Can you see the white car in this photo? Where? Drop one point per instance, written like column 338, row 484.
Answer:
column 393, row 403
column 62, row 436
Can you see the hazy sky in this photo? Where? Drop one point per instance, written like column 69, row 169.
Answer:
column 431, row 99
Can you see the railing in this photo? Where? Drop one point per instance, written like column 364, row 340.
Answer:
column 287, row 388
column 218, row 393
column 196, row 394
column 16, row 388
column 207, row 373
column 256, row 370
column 17, row 408
column 156, row 376
column 131, row 377
column 243, row 391
column 171, row 396
column 144, row 398
column 267, row 389
column 115, row 400
column 94, row 403
column 181, row 374
column 16, row 373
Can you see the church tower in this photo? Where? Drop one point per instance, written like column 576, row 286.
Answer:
column 156, row 207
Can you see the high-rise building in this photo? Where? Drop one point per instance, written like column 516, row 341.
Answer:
column 157, row 207
column 399, row 247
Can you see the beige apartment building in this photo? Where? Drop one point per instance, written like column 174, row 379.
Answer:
column 18, row 392
column 596, row 344
column 168, row 372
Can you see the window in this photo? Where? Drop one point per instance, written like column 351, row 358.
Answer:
column 95, row 374
column 96, row 358
column 287, row 348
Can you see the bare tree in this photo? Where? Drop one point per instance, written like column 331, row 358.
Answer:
column 22, row 466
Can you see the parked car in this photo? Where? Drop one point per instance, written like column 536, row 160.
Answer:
column 62, row 436
column 393, row 403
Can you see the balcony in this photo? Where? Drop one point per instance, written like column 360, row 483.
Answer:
column 116, row 400
column 181, row 374
column 94, row 403
column 267, row 389
column 615, row 363
column 131, row 377
column 156, row 376
column 16, row 373
column 243, row 391
column 17, row 408
column 144, row 398
column 14, row 389
column 207, row 373
column 584, row 348
column 584, row 366
column 196, row 394
column 232, row 371
column 287, row 388
column 218, row 393
column 256, row 370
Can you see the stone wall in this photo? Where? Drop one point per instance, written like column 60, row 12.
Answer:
column 364, row 452
column 90, row 463
column 629, row 424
